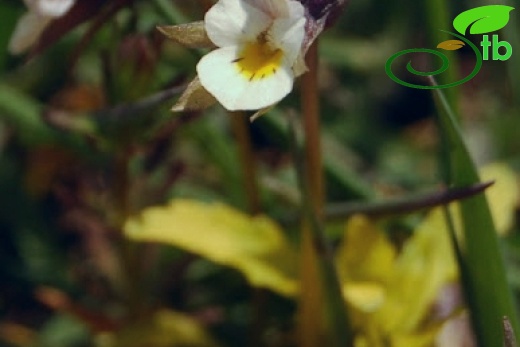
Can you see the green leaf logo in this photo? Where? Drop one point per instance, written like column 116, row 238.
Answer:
column 483, row 19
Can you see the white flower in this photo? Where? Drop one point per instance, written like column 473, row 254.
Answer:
column 259, row 43
column 31, row 25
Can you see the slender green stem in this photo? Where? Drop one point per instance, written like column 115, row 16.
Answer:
column 438, row 16
column 511, row 31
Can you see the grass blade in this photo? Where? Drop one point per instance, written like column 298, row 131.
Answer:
column 484, row 278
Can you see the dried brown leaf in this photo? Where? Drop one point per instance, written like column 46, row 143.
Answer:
column 191, row 35
column 194, row 98
column 260, row 113
column 299, row 67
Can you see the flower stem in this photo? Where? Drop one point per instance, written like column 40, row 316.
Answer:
column 240, row 124
column 315, row 246
column 128, row 250
column 311, row 121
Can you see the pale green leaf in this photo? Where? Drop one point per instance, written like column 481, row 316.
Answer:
column 255, row 246
column 425, row 265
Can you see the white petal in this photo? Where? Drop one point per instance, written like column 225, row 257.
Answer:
column 51, row 8
column 27, row 31
column 274, row 8
column 221, row 78
column 231, row 22
column 288, row 33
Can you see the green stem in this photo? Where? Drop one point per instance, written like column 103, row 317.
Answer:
column 438, row 16
column 511, row 31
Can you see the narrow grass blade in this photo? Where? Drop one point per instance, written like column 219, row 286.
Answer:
column 484, row 278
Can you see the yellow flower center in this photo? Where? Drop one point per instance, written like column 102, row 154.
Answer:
column 258, row 60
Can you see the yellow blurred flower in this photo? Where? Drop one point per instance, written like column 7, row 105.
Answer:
column 391, row 293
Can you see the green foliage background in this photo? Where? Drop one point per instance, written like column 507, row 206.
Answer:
column 68, row 180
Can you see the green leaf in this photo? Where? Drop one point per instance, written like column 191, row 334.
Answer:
column 481, row 264
column 10, row 14
column 23, row 113
column 255, row 246
column 483, row 19
column 63, row 331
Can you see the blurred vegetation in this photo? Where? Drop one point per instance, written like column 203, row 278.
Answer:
column 90, row 156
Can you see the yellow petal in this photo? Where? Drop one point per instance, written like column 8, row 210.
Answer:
column 365, row 296
column 253, row 245
column 413, row 340
column 424, row 266
column 503, row 196
column 365, row 253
